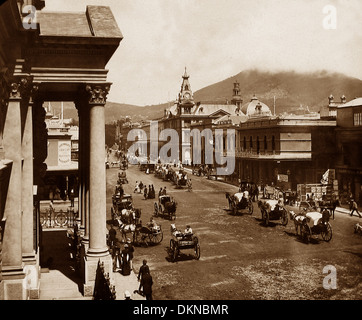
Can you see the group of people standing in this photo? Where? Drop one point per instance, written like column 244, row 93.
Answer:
column 149, row 193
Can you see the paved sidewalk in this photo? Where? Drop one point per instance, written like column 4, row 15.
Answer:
column 59, row 279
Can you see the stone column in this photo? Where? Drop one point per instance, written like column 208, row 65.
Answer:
column 12, row 268
column 80, row 218
column 98, row 249
column 30, row 261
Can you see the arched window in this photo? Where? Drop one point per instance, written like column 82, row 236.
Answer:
column 257, row 145
column 244, row 143
column 273, row 144
column 251, row 143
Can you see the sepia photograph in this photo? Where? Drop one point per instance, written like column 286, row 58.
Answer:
column 190, row 152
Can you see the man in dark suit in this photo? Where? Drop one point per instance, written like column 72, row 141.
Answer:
column 147, row 285
column 143, row 270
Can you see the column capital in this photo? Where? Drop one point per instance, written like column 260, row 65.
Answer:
column 97, row 93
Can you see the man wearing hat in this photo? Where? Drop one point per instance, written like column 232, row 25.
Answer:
column 143, row 270
column 188, row 230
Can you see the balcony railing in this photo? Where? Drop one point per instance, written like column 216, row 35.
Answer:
column 50, row 219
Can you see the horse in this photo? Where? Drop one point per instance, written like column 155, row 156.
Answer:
column 230, row 199
column 126, row 229
column 170, row 208
column 128, row 216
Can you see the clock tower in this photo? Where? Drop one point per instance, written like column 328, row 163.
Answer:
column 185, row 96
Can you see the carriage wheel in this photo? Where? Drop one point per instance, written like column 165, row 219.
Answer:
column 284, row 217
column 327, row 232
column 141, row 238
column 156, row 238
column 305, row 233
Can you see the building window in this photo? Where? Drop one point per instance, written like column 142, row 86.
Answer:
column 357, row 119
column 251, row 143
column 273, row 144
column 244, row 143
column 257, row 145
column 265, row 144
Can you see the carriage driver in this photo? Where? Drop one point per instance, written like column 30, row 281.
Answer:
column 188, row 230
column 152, row 224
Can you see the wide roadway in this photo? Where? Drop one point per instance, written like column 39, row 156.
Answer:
column 240, row 257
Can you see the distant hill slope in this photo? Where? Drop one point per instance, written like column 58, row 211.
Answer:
column 290, row 90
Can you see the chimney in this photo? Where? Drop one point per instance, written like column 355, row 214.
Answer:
column 343, row 99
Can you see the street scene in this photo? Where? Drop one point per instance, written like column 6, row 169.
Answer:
column 240, row 257
column 180, row 150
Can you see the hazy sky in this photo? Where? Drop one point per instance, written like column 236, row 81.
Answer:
column 216, row 39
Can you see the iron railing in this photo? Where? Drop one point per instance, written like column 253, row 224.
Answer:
column 58, row 218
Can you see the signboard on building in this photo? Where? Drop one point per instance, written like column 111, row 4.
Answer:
column 64, row 153
column 283, row 177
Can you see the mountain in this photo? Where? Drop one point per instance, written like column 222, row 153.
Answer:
column 290, row 89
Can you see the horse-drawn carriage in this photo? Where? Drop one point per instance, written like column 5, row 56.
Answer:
column 240, row 202
column 147, row 235
column 313, row 223
column 123, row 164
column 166, row 206
column 273, row 210
column 167, row 172
column 199, row 171
column 121, row 202
column 122, row 177
column 179, row 178
column 181, row 241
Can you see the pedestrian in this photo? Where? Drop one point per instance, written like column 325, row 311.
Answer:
column 164, row 192
column 130, row 252
column 145, row 192
column 335, row 203
column 126, row 270
column 71, row 197
column 160, row 192
column 147, row 283
column 112, row 236
column 143, row 270
column 354, row 208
